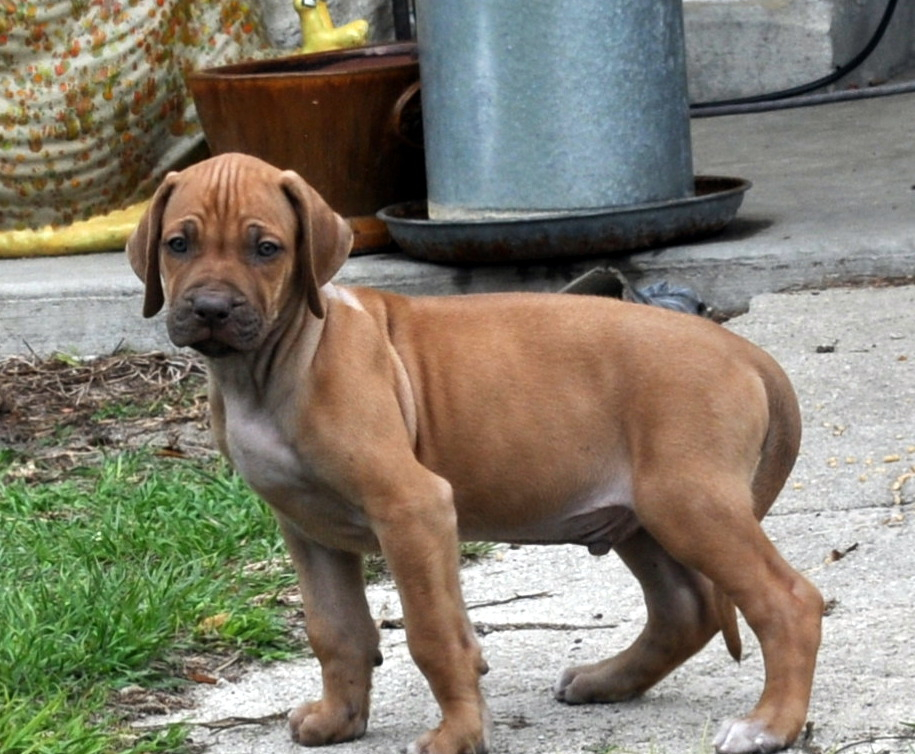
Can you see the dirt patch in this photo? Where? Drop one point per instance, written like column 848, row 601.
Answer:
column 59, row 413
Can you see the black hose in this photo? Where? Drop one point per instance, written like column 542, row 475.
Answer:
column 698, row 108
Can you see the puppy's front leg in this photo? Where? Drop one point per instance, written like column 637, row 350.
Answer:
column 419, row 539
column 343, row 636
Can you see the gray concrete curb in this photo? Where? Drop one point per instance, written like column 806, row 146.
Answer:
column 832, row 203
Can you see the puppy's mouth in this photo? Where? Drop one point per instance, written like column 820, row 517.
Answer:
column 213, row 344
column 213, row 348
column 215, row 323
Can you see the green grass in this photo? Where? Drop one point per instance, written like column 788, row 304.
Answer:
column 107, row 577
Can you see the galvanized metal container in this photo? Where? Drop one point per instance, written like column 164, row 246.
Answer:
column 542, row 106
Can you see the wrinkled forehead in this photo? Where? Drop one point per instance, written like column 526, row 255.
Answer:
column 228, row 190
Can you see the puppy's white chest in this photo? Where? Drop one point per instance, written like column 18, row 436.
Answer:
column 269, row 462
column 259, row 452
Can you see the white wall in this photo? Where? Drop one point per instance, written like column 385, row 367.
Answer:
column 734, row 47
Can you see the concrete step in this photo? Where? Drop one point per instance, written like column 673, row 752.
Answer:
column 738, row 48
column 831, row 203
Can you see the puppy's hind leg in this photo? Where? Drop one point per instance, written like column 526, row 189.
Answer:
column 681, row 620
column 707, row 522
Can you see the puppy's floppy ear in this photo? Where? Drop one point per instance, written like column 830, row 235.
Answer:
column 323, row 238
column 143, row 247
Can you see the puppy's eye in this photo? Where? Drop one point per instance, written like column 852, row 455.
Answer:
column 266, row 249
column 177, row 245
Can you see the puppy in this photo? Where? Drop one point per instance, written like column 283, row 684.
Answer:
column 375, row 422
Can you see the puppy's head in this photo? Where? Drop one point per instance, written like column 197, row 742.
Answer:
column 232, row 245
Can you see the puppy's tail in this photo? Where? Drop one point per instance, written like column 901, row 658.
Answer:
column 727, row 620
column 777, row 456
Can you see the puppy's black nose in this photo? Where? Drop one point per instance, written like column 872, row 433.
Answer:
column 212, row 308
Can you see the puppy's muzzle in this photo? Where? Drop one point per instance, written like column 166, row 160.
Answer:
column 216, row 321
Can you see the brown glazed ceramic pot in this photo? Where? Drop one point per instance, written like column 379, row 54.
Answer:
column 348, row 121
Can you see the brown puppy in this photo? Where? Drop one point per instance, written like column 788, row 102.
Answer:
column 371, row 421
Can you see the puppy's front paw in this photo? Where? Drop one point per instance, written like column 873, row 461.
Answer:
column 450, row 738
column 319, row 723
column 748, row 736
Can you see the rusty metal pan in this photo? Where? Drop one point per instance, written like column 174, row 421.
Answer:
column 605, row 232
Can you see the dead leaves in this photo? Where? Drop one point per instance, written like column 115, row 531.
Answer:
column 899, row 488
column 60, row 411
column 837, row 555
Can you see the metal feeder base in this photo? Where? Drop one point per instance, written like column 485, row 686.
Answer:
column 601, row 232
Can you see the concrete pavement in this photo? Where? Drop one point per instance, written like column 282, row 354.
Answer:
column 846, row 519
